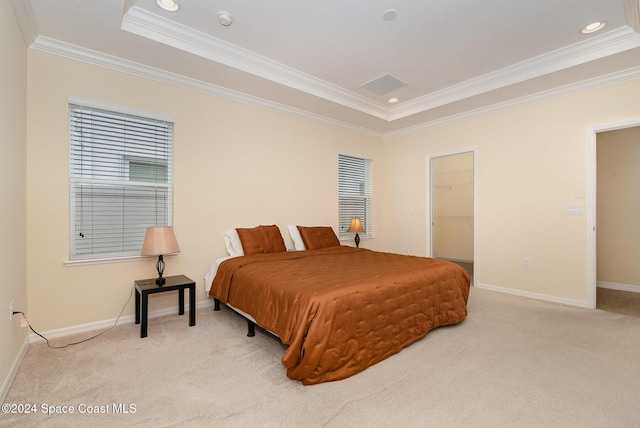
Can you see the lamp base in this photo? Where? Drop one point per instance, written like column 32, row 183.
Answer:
column 160, row 268
column 357, row 239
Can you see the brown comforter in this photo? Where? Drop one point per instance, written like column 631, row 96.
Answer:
column 343, row 309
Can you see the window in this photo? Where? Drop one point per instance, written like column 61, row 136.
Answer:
column 355, row 192
column 120, row 181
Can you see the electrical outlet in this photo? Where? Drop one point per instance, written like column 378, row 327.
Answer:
column 526, row 263
column 11, row 311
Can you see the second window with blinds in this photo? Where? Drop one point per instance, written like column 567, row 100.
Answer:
column 355, row 194
column 120, row 181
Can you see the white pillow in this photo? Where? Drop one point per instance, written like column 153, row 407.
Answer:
column 233, row 244
column 296, row 238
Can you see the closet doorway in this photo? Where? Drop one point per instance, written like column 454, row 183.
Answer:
column 452, row 184
column 612, row 212
column 617, row 212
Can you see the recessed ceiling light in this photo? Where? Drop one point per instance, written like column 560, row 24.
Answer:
column 170, row 5
column 393, row 100
column 593, row 27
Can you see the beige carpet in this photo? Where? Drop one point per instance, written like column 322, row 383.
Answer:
column 514, row 362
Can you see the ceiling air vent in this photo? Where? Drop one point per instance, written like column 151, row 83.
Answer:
column 384, row 84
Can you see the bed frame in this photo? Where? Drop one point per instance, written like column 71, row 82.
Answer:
column 251, row 325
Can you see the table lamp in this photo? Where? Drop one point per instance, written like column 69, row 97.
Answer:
column 159, row 241
column 356, row 226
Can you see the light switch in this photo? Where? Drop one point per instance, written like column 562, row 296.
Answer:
column 573, row 209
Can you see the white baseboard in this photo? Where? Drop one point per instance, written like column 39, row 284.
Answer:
column 99, row 325
column 621, row 287
column 14, row 370
column 538, row 296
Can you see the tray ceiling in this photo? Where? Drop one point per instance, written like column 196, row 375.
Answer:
column 340, row 62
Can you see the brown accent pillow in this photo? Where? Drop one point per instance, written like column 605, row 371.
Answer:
column 318, row 237
column 273, row 239
column 261, row 239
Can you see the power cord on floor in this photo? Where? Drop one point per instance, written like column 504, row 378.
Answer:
column 25, row 322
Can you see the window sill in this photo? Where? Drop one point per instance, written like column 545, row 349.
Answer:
column 351, row 238
column 104, row 260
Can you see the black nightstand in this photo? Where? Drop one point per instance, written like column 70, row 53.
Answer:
column 145, row 287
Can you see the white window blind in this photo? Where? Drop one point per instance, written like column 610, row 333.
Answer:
column 355, row 194
column 120, row 181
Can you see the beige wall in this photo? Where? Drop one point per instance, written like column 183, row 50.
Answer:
column 235, row 166
column 531, row 161
column 13, row 66
column 618, row 207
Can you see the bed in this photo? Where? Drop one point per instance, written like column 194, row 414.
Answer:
column 339, row 309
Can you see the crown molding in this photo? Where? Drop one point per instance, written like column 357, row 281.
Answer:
column 597, row 47
column 147, row 24
column 610, row 43
column 566, row 90
column 160, row 29
column 100, row 59
column 111, row 62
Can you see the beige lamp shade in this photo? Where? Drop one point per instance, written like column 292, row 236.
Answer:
column 159, row 241
column 356, row 226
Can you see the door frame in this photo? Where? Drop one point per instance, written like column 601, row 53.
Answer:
column 592, row 137
column 430, row 194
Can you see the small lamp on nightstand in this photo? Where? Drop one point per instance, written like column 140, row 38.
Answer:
column 159, row 241
column 356, row 226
